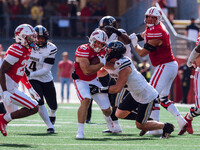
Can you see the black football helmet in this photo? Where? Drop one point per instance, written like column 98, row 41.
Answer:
column 115, row 49
column 43, row 33
column 107, row 21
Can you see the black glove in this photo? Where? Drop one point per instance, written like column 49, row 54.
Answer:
column 75, row 76
column 27, row 72
column 111, row 30
column 94, row 89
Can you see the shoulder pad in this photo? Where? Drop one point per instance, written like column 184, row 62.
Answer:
column 122, row 63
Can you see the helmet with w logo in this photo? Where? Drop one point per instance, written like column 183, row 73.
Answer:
column 100, row 36
column 25, row 35
column 153, row 12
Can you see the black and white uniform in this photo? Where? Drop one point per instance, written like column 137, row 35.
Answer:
column 116, row 99
column 142, row 92
column 39, row 64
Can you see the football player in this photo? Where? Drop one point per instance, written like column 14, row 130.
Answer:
column 86, row 73
column 11, row 72
column 157, row 45
column 39, row 74
column 110, row 25
column 195, row 110
column 143, row 93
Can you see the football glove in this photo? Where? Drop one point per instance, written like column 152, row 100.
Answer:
column 111, row 30
column 34, row 94
column 134, row 39
column 7, row 97
column 95, row 89
column 102, row 60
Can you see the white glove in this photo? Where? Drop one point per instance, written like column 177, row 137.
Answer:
column 34, row 94
column 7, row 97
column 134, row 39
column 102, row 60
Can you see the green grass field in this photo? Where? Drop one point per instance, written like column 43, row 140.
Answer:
column 30, row 133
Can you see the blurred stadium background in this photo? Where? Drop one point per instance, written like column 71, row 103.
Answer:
column 70, row 22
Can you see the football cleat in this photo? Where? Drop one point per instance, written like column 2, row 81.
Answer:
column 114, row 131
column 80, row 135
column 3, row 124
column 50, row 131
column 142, row 133
column 106, row 131
column 154, row 132
column 182, row 125
column 189, row 128
column 167, row 130
column 53, row 120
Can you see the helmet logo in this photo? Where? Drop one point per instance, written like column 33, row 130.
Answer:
column 151, row 11
column 18, row 31
column 95, row 33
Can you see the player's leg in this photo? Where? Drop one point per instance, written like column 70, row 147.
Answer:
column 2, row 108
column 89, row 113
column 49, row 92
column 194, row 111
column 162, row 81
column 83, row 93
column 29, row 107
column 38, row 87
column 142, row 122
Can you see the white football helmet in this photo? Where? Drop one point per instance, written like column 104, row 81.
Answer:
column 25, row 35
column 153, row 11
column 100, row 36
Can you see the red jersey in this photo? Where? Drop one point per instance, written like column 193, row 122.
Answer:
column 85, row 51
column 17, row 55
column 162, row 54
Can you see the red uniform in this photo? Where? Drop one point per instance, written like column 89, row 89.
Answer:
column 22, row 54
column 85, row 51
column 162, row 54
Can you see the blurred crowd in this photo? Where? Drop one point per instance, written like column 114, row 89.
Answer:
column 37, row 12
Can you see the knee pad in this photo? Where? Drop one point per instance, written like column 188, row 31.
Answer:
column 194, row 111
column 165, row 102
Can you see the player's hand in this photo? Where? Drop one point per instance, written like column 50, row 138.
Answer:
column 111, row 29
column 27, row 72
column 102, row 60
column 34, row 94
column 7, row 97
column 134, row 39
column 95, row 89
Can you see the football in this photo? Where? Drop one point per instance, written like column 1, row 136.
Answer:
column 94, row 61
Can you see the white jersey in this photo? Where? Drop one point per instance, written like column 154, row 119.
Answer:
column 115, row 37
column 139, row 88
column 41, row 61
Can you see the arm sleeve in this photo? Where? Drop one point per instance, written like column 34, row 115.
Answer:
column 46, row 68
column 192, row 57
column 25, row 81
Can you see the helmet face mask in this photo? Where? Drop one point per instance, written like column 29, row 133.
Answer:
column 25, row 35
column 152, row 13
column 115, row 49
column 98, row 37
column 42, row 35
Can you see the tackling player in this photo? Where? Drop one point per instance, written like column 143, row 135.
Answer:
column 11, row 72
column 143, row 93
column 39, row 75
column 157, row 45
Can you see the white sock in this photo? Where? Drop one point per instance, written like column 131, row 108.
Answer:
column 109, row 122
column 80, row 127
column 52, row 112
column 174, row 111
column 155, row 115
column 7, row 117
column 44, row 115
